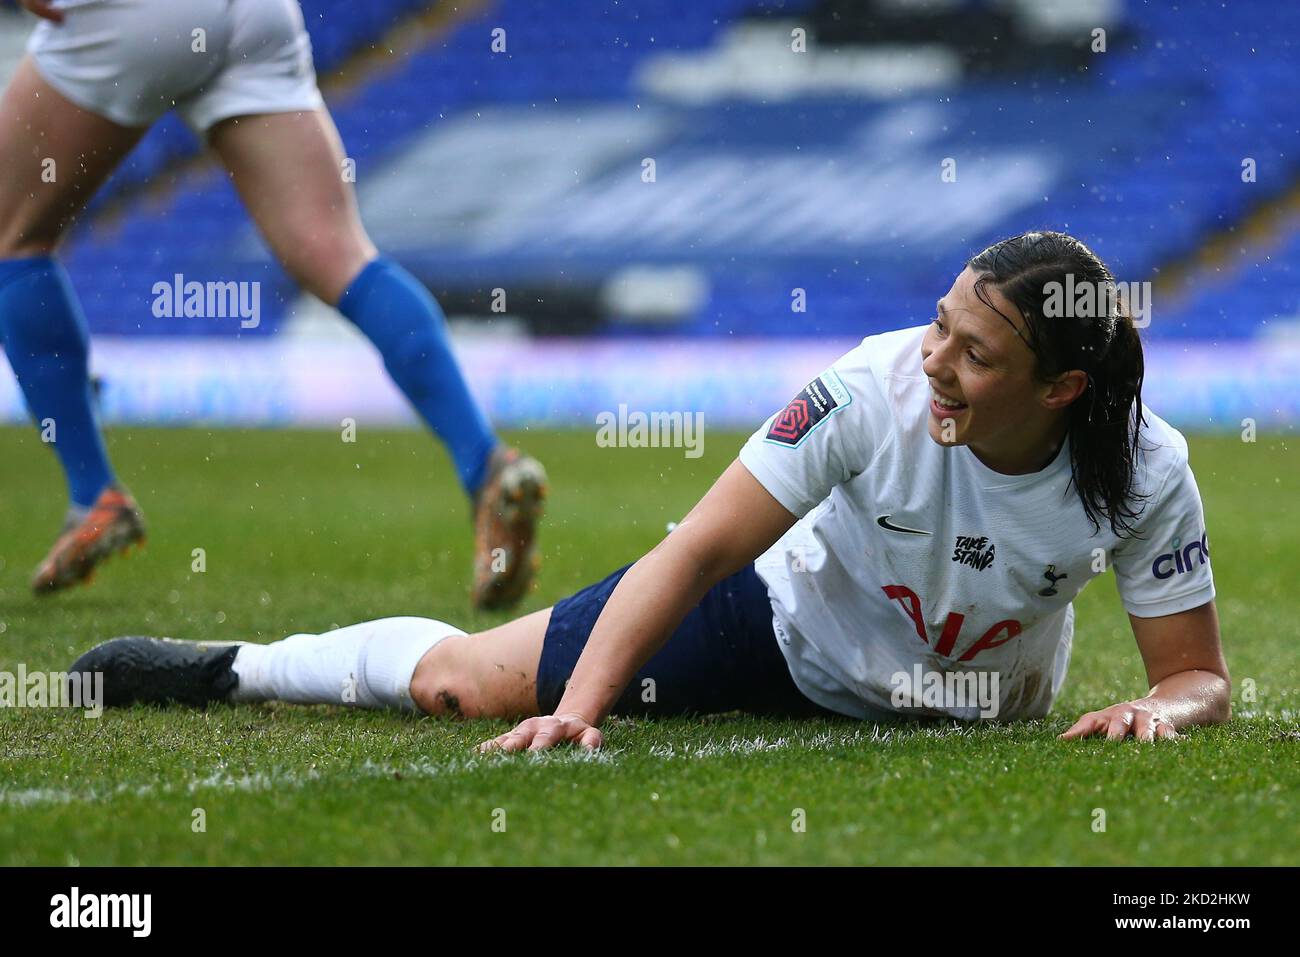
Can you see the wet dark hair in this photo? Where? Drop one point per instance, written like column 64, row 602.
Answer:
column 1104, row 420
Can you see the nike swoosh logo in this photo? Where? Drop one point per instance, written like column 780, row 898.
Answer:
column 884, row 522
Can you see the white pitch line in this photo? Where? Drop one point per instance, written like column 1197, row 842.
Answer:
column 820, row 741
column 282, row 779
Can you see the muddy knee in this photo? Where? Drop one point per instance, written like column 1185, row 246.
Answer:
column 443, row 685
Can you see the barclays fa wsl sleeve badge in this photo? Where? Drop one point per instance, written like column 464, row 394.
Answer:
column 809, row 409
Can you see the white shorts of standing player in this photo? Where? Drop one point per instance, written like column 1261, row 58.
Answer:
column 131, row 61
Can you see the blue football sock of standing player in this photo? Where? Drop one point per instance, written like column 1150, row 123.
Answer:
column 47, row 344
column 401, row 318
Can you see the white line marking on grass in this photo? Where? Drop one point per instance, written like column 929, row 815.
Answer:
column 279, row 779
column 288, row 778
column 30, row 797
column 736, row 745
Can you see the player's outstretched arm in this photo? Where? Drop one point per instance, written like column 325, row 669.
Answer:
column 1187, row 675
column 735, row 522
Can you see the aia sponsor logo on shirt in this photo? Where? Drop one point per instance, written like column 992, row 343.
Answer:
column 820, row 397
column 975, row 552
column 994, row 636
column 1183, row 558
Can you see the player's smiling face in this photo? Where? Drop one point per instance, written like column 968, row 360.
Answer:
column 987, row 394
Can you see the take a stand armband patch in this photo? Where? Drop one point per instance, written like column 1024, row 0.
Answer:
column 819, row 399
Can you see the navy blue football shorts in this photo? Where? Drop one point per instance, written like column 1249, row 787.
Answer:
column 723, row 657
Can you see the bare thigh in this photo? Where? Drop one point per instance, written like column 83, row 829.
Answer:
column 54, row 156
column 288, row 169
column 492, row 674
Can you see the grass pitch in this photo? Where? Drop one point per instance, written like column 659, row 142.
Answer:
column 301, row 532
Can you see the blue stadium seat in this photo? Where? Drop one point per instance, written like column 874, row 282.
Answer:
column 1151, row 143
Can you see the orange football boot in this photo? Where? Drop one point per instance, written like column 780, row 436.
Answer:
column 112, row 525
column 506, row 511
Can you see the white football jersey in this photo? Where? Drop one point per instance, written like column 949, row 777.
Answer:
column 911, row 558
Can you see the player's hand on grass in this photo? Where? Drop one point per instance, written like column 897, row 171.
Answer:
column 1140, row 719
column 43, row 9
column 538, row 734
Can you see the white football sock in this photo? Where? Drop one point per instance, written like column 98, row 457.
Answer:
column 369, row 665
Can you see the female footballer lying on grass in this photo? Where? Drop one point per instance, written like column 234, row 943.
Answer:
column 930, row 504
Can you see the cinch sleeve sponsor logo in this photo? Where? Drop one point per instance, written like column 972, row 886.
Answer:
column 807, row 410
column 1179, row 560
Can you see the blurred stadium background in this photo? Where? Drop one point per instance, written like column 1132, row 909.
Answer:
column 514, row 183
